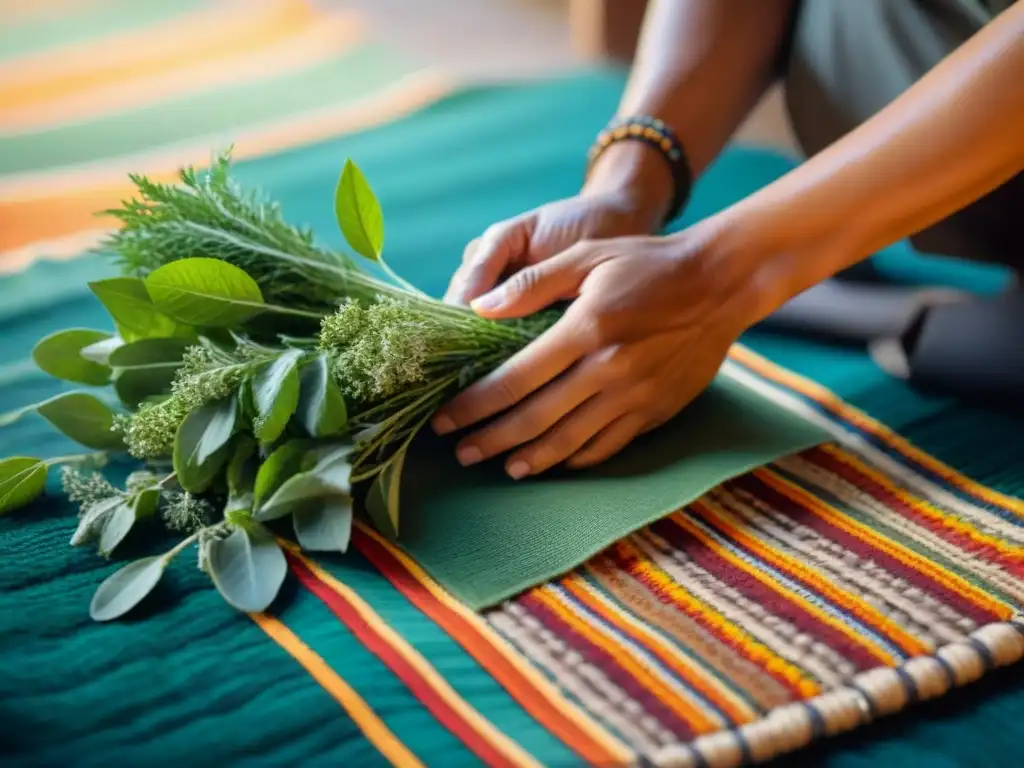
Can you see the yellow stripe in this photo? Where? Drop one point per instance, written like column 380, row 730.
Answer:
column 366, row 719
column 543, row 686
column 814, row 390
column 145, row 52
column 502, row 743
column 904, row 554
column 287, row 48
column 796, row 568
column 926, row 508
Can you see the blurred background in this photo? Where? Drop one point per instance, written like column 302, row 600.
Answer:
column 93, row 89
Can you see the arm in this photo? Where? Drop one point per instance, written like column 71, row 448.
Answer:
column 701, row 67
column 956, row 135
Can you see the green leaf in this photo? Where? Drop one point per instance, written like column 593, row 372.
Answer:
column 324, row 525
column 276, row 394
column 358, row 212
column 278, row 467
column 201, row 444
column 146, row 367
column 205, row 292
column 100, row 351
column 321, row 406
column 383, row 497
column 84, row 418
column 248, row 568
column 146, row 503
column 22, row 480
column 330, row 477
column 93, row 518
column 126, row 588
column 242, row 467
column 116, row 527
column 133, row 311
column 59, row 355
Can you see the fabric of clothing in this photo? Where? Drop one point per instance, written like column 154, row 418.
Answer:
column 849, row 60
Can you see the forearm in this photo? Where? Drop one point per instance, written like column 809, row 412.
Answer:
column 701, row 66
column 953, row 137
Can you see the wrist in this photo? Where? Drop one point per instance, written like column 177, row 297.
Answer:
column 636, row 175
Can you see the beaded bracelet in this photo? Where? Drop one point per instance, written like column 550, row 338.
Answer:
column 654, row 133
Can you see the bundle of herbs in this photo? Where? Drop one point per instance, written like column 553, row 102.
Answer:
column 254, row 376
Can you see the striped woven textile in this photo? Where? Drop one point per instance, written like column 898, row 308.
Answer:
column 805, row 599
column 91, row 90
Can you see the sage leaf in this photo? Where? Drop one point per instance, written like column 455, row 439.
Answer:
column 22, row 481
column 321, row 407
column 383, row 497
column 146, row 502
column 94, row 517
column 247, row 567
column 146, row 367
column 242, row 467
column 330, row 477
column 116, row 527
column 99, row 352
column 59, row 355
column 134, row 314
column 201, row 444
column 84, row 418
column 358, row 212
column 278, row 467
column 275, row 392
column 205, row 292
column 126, row 588
column 324, row 525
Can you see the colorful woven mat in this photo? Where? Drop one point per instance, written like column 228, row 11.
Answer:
column 808, row 598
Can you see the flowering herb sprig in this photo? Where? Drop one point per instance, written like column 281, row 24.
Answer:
column 258, row 377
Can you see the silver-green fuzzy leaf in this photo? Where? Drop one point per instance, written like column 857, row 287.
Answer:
column 248, row 568
column 126, row 588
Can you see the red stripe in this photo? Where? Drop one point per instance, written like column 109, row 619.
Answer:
column 404, row 671
column 865, row 549
column 482, row 649
column 957, row 538
column 777, row 603
column 605, row 662
column 626, row 564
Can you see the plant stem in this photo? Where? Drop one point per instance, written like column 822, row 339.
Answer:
column 173, row 552
column 78, row 458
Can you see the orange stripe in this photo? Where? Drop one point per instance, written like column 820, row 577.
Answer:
column 1011, row 552
column 295, row 49
column 623, row 657
column 795, row 568
column 485, row 730
column 811, row 389
column 145, row 54
column 709, row 687
column 733, row 635
column 55, row 214
column 904, row 554
column 523, row 682
column 372, row 727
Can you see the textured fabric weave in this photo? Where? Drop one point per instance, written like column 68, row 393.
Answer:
column 365, row 660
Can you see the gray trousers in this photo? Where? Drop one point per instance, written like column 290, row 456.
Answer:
column 848, row 59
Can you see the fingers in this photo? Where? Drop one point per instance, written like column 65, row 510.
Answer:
column 568, row 436
column 553, row 353
column 486, row 259
column 610, row 440
column 533, row 417
column 533, row 288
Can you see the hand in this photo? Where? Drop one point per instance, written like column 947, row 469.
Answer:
column 651, row 323
column 531, row 238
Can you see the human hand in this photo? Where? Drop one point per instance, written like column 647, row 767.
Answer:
column 651, row 321
column 539, row 234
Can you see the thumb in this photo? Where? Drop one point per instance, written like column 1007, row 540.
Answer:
column 534, row 288
column 485, row 260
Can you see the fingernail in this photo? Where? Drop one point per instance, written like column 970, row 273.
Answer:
column 517, row 470
column 491, row 300
column 443, row 425
column 468, row 455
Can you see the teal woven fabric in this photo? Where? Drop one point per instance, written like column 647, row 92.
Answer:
column 189, row 679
